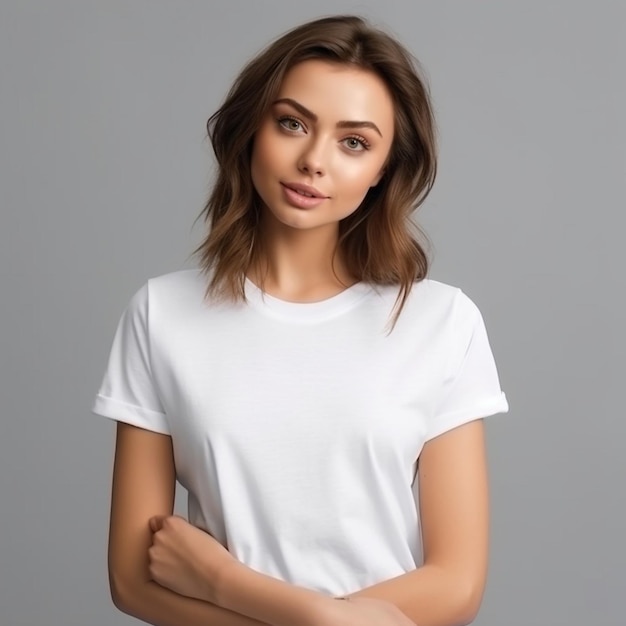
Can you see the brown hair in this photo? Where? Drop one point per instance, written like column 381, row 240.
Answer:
column 377, row 241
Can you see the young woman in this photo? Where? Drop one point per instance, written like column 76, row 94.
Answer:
column 327, row 455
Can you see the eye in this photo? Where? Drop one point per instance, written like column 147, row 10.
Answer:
column 289, row 123
column 356, row 143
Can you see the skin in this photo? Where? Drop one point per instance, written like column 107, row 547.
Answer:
column 342, row 163
column 209, row 585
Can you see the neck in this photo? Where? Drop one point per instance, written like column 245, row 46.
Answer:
column 299, row 262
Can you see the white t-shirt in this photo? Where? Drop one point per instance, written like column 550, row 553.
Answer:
column 296, row 426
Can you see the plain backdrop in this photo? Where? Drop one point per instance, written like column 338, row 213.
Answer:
column 105, row 165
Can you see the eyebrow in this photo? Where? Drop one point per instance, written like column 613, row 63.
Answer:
column 342, row 124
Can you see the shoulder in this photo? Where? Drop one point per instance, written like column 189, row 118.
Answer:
column 184, row 287
column 436, row 289
column 167, row 284
column 427, row 296
column 452, row 297
column 174, row 281
column 169, row 293
column 439, row 306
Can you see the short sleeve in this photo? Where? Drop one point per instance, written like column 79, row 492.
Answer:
column 471, row 386
column 127, row 392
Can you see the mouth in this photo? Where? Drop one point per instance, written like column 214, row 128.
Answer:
column 304, row 190
column 301, row 198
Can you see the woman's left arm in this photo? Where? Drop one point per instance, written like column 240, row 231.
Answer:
column 446, row 591
column 454, row 512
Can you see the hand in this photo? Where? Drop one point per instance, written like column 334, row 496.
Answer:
column 367, row 612
column 185, row 558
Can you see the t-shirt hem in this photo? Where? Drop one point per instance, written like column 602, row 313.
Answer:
column 491, row 406
column 131, row 414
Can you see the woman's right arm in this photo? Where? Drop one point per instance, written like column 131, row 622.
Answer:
column 144, row 484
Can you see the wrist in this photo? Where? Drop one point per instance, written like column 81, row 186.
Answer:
column 320, row 611
column 224, row 581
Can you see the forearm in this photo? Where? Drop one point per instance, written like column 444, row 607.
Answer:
column 269, row 599
column 428, row 595
column 160, row 606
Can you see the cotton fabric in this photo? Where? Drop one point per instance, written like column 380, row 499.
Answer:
column 296, row 427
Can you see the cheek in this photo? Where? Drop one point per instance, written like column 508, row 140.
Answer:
column 259, row 150
column 356, row 176
column 269, row 150
column 261, row 159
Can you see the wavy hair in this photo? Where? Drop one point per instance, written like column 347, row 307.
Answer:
column 379, row 241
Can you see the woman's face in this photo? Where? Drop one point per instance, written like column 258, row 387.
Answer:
column 331, row 128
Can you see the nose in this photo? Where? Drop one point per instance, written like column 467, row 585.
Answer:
column 311, row 160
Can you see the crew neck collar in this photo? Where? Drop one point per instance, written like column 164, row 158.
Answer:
column 306, row 312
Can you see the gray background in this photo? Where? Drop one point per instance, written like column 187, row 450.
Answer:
column 105, row 165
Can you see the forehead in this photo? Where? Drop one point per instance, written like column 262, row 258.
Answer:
column 338, row 91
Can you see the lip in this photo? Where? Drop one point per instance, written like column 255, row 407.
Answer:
column 299, row 201
column 306, row 188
